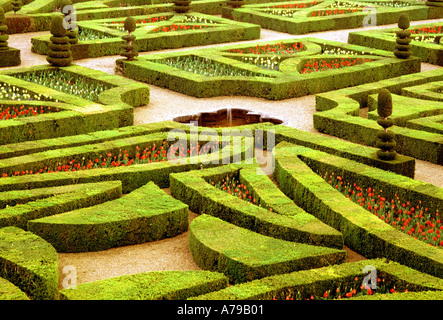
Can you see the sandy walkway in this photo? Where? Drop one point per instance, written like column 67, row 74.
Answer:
column 174, row 254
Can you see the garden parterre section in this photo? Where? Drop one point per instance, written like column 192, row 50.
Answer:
column 417, row 114
column 169, row 30
column 78, row 186
column 301, row 17
column 272, row 70
column 427, row 43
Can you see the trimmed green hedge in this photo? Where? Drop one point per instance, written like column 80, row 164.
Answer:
column 363, row 154
column 362, row 231
column 156, row 285
column 384, row 39
column 286, row 83
column 244, row 255
column 26, row 205
column 303, row 21
column 29, row 262
column 317, row 281
column 224, row 30
column 76, row 115
column 295, row 225
column 10, row 57
column 339, row 110
column 9, row 291
column 146, row 214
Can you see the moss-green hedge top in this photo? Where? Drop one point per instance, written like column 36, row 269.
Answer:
column 29, row 262
column 156, row 285
column 244, row 255
column 317, row 281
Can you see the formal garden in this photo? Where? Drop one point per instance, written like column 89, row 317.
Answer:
column 98, row 202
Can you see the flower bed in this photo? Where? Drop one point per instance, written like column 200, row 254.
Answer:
column 154, row 32
column 75, row 91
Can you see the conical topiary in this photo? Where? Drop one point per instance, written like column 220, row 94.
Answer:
column 17, row 5
column 182, row 6
column 403, row 47
column 60, row 54
column 235, row 3
column 129, row 49
column 3, row 27
column 72, row 30
column 385, row 139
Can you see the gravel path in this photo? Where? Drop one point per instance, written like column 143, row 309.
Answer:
column 174, row 254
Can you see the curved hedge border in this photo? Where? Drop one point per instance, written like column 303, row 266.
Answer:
column 32, row 18
column 9, row 291
column 244, row 255
column 362, row 231
column 193, row 189
column 224, row 30
column 384, row 39
column 144, row 215
column 77, row 115
column 409, row 109
column 339, row 116
column 317, row 281
column 37, row 203
column 303, row 22
column 29, row 262
column 156, row 285
column 10, row 57
column 272, row 85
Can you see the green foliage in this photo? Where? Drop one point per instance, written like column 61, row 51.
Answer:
column 17, row 5
column 128, row 49
column 402, row 48
column 60, row 54
column 3, row 27
column 384, row 103
column 403, row 21
column 235, row 3
column 130, row 24
column 182, row 6
column 385, row 140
